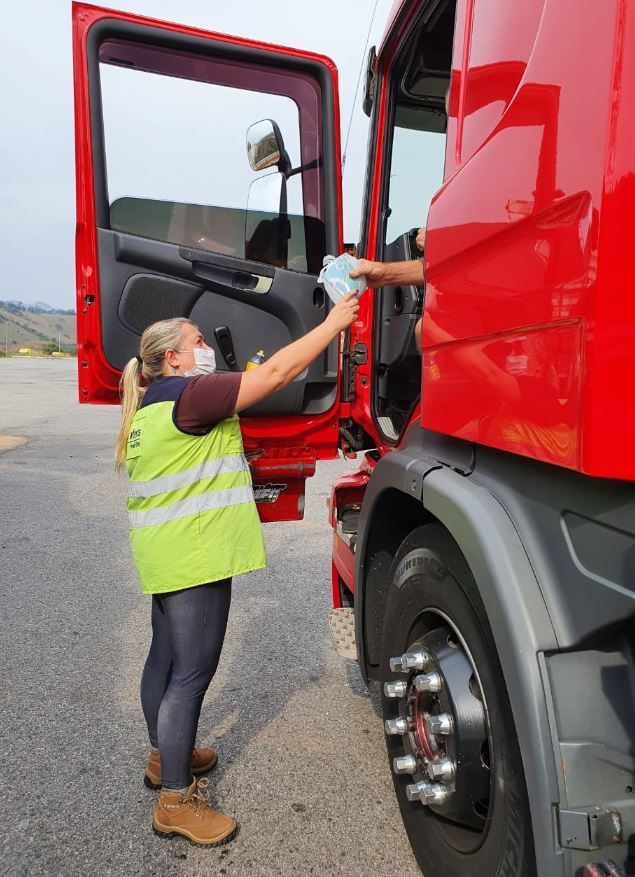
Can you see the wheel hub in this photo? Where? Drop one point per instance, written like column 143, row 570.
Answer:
column 440, row 728
column 425, row 745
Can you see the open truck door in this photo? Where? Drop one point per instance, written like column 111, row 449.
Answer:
column 209, row 187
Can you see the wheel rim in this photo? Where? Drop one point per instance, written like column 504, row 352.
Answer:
column 447, row 733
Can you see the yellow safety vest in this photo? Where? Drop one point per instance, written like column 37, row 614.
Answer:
column 191, row 505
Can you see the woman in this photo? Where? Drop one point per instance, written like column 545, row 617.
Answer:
column 193, row 525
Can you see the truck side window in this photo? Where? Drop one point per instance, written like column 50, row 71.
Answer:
column 416, row 172
column 419, row 81
column 177, row 167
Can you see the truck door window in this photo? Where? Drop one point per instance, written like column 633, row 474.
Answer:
column 177, row 167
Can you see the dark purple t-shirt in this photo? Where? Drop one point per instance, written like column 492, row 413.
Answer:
column 206, row 400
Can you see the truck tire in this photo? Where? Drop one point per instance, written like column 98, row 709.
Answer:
column 467, row 815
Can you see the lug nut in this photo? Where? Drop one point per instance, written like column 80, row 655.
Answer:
column 404, row 764
column 395, row 665
column 443, row 769
column 439, row 724
column 418, row 660
column 428, row 682
column 396, row 726
column 427, row 793
column 395, row 689
column 415, row 791
column 433, row 793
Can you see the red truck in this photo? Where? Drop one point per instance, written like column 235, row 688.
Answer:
column 484, row 552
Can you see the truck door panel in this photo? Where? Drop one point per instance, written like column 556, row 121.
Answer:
column 143, row 280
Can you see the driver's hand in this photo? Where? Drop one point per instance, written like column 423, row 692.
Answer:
column 372, row 271
column 420, row 240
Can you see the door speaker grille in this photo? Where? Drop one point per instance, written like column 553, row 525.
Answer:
column 147, row 298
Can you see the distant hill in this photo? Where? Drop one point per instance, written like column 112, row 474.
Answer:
column 38, row 307
column 37, row 326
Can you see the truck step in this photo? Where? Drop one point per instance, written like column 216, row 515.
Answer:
column 349, row 519
column 342, row 624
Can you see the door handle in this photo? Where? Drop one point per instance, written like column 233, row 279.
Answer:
column 243, row 280
column 228, row 271
column 226, row 345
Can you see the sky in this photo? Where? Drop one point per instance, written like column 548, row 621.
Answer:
column 37, row 173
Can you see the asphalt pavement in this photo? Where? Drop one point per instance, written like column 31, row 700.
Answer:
column 302, row 763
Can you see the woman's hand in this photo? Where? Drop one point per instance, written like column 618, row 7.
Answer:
column 372, row 271
column 343, row 314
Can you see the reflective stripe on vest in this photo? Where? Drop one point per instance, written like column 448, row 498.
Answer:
column 168, row 483
column 204, row 502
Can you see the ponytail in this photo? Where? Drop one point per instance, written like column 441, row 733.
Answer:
column 131, row 393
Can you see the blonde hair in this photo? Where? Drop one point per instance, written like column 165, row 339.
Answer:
column 156, row 340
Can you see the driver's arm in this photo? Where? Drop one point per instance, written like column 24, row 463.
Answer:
column 410, row 273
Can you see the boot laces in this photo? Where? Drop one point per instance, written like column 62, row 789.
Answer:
column 198, row 801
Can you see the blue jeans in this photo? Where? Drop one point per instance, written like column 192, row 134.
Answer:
column 188, row 629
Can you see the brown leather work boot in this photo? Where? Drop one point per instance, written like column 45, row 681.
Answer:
column 191, row 816
column 203, row 760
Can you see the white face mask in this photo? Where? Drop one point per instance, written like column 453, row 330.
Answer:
column 205, row 362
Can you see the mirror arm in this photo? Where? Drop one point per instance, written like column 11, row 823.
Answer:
column 284, row 165
column 309, row 166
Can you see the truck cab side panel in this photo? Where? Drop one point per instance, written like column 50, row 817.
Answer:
column 528, row 305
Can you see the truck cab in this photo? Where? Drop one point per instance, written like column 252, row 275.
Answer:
column 480, row 541
column 483, row 550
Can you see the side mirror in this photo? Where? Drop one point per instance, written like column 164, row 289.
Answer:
column 267, row 227
column 267, row 194
column 265, row 147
